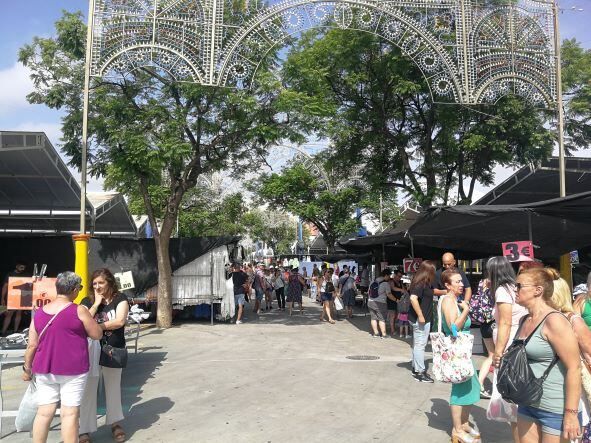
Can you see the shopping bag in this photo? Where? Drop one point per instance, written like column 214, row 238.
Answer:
column 27, row 409
column 338, row 304
column 452, row 356
column 499, row 409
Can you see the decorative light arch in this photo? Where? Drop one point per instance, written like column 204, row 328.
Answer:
column 469, row 53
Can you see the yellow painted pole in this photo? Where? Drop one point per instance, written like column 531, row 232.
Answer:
column 81, row 266
column 566, row 269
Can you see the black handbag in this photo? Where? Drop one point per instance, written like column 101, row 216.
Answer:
column 112, row 357
column 516, row 381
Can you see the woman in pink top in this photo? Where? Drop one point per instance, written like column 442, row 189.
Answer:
column 507, row 314
column 57, row 354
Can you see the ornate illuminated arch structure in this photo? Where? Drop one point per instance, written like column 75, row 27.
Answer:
column 469, row 53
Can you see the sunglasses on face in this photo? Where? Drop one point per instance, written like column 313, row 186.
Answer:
column 518, row 286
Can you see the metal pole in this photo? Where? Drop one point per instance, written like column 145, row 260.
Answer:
column 529, row 228
column 86, row 94
column 565, row 264
column 559, row 103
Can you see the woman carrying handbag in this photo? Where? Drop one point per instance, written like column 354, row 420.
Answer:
column 463, row 395
column 110, row 309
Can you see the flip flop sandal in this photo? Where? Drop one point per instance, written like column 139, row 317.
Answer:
column 118, row 434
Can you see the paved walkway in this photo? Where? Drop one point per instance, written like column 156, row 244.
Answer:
column 274, row 378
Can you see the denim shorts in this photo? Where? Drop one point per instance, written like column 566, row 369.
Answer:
column 551, row 422
column 326, row 296
column 259, row 293
column 239, row 299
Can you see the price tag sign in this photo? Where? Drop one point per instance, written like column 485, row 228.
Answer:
column 24, row 293
column 518, row 251
column 124, row 280
column 411, row 265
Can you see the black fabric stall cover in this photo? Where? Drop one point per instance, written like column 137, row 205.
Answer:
column 138, row 256
column 557, row 226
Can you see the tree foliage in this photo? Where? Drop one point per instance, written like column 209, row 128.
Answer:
column 375, row 107
column 297, row 190
column 275, row 228
column 151, row 137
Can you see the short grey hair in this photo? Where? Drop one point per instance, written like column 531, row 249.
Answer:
column 67, row 282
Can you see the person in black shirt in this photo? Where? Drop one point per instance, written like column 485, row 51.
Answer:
column 110, row 308
column 239, row 280
column 19, row 271
column 419, row 316
column 397, row 291
column 448, row 261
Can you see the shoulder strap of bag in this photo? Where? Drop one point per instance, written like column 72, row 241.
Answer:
column 51, row 320
column 439, row 317
column 538, row 326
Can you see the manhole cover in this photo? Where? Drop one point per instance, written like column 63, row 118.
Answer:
column 363, row 357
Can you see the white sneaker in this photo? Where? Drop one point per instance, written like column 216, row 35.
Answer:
column 408, row 336
column 238, row 322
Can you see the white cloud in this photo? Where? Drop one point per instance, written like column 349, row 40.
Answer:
column 15, row 84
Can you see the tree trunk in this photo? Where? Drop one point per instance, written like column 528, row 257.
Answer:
column 164, row 312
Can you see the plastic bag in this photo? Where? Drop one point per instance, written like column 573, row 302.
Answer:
column 338, row 304
column 499, row 409
column 27, row 410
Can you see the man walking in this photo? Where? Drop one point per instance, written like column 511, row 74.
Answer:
column 347, row 292
column 240, row 282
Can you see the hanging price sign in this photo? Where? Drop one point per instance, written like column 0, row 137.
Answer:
column 411, row 265
column 518, row 251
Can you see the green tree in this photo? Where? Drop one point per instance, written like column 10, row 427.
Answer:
column 204, row 217
column 298, row 191
column 576, row 81
column 275, row 228
column 374, row 105
column 151, row 137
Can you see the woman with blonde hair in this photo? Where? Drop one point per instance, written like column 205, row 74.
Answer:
column 562, row 301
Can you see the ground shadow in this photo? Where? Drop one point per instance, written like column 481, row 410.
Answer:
column 439, row 416
column 311, row 316
column 141, row 368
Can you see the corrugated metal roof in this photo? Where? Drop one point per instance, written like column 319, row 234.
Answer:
column 38, row 194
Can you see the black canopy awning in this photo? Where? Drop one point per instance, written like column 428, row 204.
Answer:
column 556, row 226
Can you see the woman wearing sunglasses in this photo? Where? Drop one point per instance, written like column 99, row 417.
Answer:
column 553, row 346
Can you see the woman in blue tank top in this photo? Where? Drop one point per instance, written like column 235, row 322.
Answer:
column 463, row 395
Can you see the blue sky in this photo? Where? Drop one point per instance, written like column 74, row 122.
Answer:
column 24, row 19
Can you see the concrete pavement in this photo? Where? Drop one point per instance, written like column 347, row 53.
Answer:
column 274, row 378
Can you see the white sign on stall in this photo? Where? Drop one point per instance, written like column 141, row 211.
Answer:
column 124, row 280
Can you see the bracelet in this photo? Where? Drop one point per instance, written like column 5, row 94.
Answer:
column 572, row 411
column 25, row 369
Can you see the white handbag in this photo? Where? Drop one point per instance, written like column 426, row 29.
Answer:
column 452, row 356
